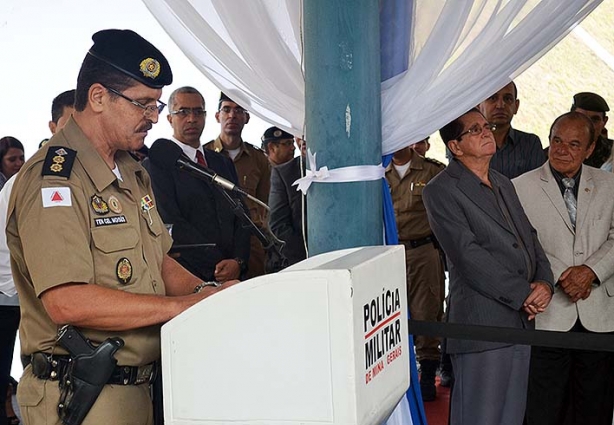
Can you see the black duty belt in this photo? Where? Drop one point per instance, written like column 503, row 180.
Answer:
column 54, row 367
column 415, row 243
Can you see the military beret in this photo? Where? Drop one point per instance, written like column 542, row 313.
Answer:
column 131, row 54
column 274, row 134
column 224, row 98
column 590, row 102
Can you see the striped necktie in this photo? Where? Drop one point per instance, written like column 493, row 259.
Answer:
column 200, row 159
column 570, row 200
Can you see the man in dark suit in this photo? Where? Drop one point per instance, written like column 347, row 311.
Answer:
column 196, row 210
column 278, row 146
column 288, row 208
column 499, row 273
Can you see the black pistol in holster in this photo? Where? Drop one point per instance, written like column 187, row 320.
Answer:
column 89, row 370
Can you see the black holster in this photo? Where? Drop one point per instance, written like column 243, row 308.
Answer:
column 89, row 370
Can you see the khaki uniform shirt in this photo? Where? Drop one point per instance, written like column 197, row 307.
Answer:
column 254, row 173
column 412, row 222
column 86, row 227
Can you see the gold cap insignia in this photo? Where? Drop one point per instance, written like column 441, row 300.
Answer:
column 150, row 68
column 123, row 270
column 277, row 133
column 99, row 205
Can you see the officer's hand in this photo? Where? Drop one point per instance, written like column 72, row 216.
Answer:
column 227, row 270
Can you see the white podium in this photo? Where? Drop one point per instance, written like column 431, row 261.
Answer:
column 323, row 342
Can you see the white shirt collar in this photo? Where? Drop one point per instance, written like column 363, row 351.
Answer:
column 188, row 150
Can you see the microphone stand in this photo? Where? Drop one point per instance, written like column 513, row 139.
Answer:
column 269, row 241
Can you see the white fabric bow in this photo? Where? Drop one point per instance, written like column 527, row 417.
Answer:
column 356, row 173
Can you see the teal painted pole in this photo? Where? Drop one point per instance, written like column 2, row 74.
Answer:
column 343, row 120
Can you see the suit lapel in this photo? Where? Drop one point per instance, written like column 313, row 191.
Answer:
column 552, row 191
column 470, row 186
column 585, row 196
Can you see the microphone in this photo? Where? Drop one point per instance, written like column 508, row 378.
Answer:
column 166, row 154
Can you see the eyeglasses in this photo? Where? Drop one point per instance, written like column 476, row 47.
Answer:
column 477, row 129
column 184, row 112
column 237, row 110
column 148, row 110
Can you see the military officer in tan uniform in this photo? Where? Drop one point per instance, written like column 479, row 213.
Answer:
column 407, row 175
column 88, row 247
column 253, row 170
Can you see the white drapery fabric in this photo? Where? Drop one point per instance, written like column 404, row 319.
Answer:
column 459, row 52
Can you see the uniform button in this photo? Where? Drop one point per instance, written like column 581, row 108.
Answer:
column 520, row 271
column 515, row 245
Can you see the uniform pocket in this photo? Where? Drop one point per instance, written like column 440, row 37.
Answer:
column 117, row 261
column 110, row 239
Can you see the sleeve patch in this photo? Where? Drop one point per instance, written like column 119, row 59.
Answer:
column 59, row 161
column 56, row 197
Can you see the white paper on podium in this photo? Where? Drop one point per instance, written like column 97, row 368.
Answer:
column 324, row 342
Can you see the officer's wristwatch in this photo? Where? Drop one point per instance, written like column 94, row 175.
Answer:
column 202, row 285
column 240, row 262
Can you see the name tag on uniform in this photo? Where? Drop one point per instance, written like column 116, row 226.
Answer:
column 109, row 221
column 56, row 197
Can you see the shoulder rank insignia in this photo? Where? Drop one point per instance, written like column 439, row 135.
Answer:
column 59, row 161
column 123, row 270
column 434, row 161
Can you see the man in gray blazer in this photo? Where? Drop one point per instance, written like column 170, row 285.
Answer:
column 499, row 273
column 573, row 386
